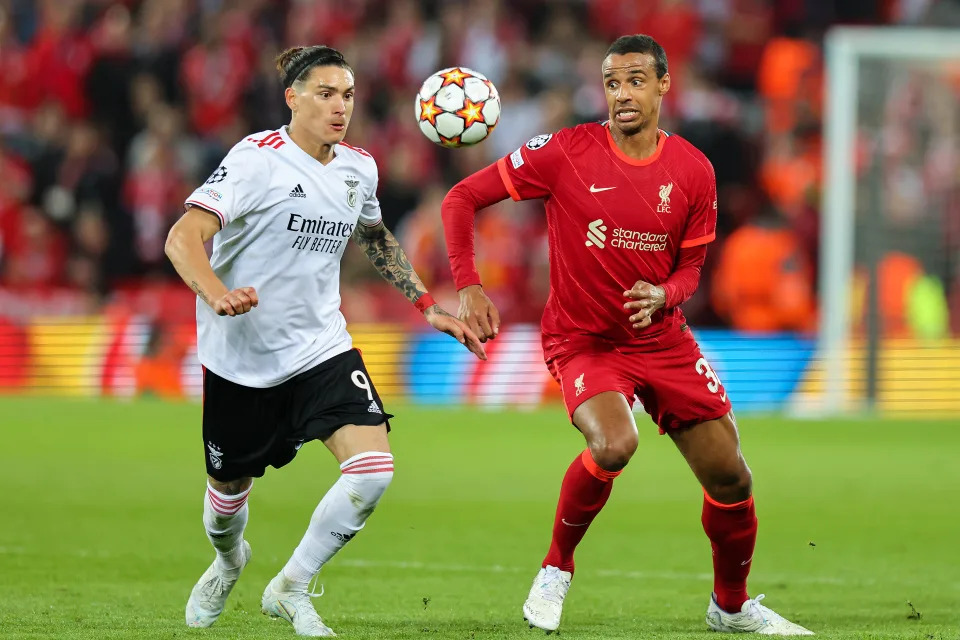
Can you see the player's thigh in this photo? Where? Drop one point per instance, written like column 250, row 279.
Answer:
column 712, row 449
column 680, row 389
column 353, row 439
column 597, row 390
column 241, row 428
column 339, row 405
column 585, row 374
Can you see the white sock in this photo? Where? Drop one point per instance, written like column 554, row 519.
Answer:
column 340, row 515
column 224, row 518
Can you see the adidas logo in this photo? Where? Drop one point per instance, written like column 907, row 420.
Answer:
column 298, row 192
column 373, row 408
column 342, row 537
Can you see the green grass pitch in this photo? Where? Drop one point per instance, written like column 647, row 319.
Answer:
column 100, row 533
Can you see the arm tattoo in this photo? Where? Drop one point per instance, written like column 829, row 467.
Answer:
column 388, row 257
column 196, row 287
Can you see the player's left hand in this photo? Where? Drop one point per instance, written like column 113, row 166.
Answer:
column 443, row 321
column 645, row 298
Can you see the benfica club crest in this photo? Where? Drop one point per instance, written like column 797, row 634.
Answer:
column 352, row 192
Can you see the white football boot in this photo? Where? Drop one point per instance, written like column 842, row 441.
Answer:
column 545, row 602
column 210, row 593
column 753, row 618
column 296, row 607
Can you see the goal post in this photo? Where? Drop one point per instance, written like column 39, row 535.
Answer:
column 849, row 88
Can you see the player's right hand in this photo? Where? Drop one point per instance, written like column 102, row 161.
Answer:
column 443, row 321
column 645, row 299
column 479, row 313
column 236, row 302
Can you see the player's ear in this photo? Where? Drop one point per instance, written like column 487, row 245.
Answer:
column 291, row 98
column 664, row 84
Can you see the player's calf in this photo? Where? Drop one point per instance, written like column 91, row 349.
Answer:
column 341, row 514
column 224, row 519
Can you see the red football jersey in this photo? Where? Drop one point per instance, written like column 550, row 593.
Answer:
column 612, row 220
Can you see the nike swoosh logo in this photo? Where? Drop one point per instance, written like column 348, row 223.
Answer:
column 723, row 398
column 570, row 524
column 595, row 189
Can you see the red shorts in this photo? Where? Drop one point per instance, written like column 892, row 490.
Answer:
column 677, row 386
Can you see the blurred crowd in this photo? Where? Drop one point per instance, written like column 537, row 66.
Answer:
column 112, row 111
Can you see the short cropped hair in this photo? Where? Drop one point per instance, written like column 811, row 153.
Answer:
column 641, row 43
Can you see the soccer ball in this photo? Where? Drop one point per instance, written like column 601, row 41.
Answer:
column 457, row 107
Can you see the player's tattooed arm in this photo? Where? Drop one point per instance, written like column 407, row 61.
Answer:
column 200, row 292
column 388, row 257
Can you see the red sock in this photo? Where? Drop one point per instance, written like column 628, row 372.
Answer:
column 584, row 491
column 732, row 529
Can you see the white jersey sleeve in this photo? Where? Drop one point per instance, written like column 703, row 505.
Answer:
column 235, row 188
column 370, row 214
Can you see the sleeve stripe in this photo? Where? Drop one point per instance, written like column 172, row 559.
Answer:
column 371, row 224
column 202, row 205
column 502, row 168
column 696, row 242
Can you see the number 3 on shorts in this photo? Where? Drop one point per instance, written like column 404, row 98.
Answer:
column 360, row 379
column 713, row 382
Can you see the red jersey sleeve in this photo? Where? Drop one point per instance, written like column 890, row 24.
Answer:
column 459, row 211
column 702, row 217
column 685, row 278
column 528, row 172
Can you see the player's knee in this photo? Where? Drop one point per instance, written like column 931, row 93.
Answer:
column 224, row 505
column 613, row 454
column 230, row 487
column 367, row 478
column 366, row 490
column 731, row 487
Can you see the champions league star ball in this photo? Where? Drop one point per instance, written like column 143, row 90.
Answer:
column 457, row 107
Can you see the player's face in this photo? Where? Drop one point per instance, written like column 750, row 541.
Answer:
column 323, row 103
column 633, row 90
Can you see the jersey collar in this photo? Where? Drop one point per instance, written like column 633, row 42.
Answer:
column 306, row 157
column 662, row 135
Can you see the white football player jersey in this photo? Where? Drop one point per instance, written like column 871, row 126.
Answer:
column 285, row 221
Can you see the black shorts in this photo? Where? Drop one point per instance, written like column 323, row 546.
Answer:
column 245, row 428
